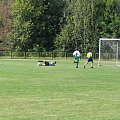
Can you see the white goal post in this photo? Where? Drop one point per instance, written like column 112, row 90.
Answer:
column 109, row 51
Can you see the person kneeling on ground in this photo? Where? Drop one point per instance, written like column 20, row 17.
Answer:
column 46, row 63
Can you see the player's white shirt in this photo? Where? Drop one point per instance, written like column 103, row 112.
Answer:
column 76, row 53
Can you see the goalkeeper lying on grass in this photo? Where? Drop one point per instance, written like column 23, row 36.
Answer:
column 46, row 63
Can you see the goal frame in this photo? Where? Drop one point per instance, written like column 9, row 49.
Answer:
column 108, row 39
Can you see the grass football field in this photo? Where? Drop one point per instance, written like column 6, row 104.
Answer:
column 61, row 92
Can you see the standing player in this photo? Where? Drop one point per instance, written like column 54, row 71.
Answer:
column 76, row 55
column 89, row 58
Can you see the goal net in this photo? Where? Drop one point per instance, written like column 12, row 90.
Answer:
column 109, row 52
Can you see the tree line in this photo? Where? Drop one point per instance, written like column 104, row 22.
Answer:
column 60, row 25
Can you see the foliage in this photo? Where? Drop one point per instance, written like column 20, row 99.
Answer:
column 63, row 25
column 36, row 23
column 5, row 24
column 109, row 21
column 86, row 22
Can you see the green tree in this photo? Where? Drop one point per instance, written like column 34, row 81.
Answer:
column 79, row 28
column 36, row 23
column 108, row 23
column 87, row 21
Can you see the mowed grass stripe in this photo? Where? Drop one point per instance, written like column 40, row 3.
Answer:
column 62, row 92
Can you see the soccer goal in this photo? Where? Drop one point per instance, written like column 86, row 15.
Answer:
column 109, row 52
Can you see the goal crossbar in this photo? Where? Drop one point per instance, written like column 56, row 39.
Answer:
column 108, row 39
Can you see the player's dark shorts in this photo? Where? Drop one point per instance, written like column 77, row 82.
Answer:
column 89, row 59
column 76, row 59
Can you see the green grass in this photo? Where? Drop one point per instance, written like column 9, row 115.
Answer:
column 63, row 92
